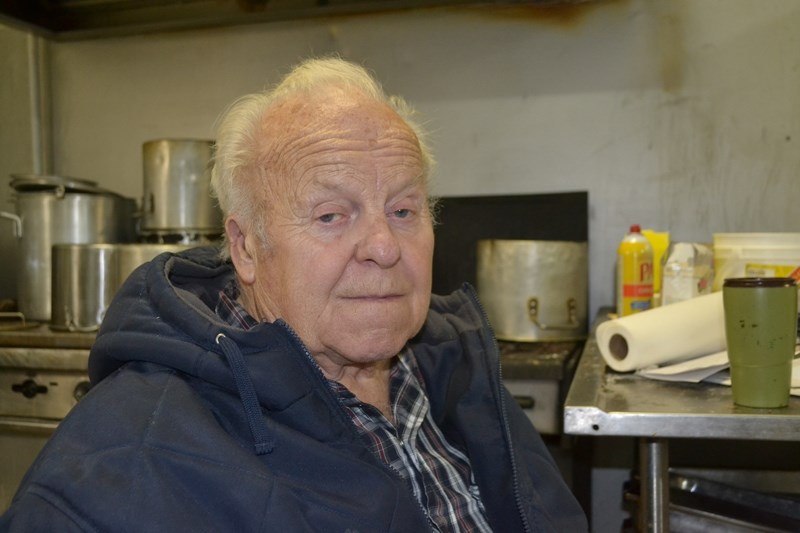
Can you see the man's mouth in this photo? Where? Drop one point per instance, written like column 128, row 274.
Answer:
column 373, row 297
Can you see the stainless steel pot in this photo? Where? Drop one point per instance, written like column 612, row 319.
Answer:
column 87, row 276
column 177, row 188
column 56, row 210
column 534, row 290
column 84, row 282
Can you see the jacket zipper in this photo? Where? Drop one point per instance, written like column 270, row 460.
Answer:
column 503, row 410
column 345, row 417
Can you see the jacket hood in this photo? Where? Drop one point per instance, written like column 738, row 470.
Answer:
column 164, row 314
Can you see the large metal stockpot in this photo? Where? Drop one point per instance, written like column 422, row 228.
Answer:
column 534, row 290
column 87, row 276
column 55, row 210
column 177, row 188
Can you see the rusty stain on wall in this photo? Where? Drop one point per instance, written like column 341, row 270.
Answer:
column 557, row 14
column 670, row 41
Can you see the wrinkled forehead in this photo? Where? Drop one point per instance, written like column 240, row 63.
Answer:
column 302, row 120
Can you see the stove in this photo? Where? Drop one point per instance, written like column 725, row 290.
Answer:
column 43, row 374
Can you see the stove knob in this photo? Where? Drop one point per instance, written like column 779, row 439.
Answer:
column 80, row 390
column 526, row 402
column 29, row 388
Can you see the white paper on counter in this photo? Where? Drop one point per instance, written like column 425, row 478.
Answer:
column 710, row 368
column 670, row 333
column 691, row 371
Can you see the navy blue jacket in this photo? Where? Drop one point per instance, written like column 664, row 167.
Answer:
column 194, row 425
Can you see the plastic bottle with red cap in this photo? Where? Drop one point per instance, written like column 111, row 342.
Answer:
column 634, row 273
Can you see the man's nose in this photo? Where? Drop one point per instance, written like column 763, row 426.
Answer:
column 378, row 242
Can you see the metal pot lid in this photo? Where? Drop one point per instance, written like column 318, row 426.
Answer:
column 37, row 182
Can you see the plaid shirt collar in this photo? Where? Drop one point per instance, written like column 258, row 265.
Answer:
column 230, row 310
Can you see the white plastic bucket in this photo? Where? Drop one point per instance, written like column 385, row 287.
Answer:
column 739, row 255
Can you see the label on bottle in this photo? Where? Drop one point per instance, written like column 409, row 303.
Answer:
column 634, row 279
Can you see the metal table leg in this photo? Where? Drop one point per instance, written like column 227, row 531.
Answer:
column 654, row 497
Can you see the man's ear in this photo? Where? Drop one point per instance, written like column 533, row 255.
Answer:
column 242, row 253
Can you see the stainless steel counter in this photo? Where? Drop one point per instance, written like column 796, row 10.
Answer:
column 602, row 402
column 41, row 336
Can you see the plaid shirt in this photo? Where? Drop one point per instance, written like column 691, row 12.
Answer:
column 439, row 474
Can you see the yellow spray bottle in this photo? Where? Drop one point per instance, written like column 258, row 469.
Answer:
column 634, row 273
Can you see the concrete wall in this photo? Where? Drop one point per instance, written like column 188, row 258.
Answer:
column 679, row 116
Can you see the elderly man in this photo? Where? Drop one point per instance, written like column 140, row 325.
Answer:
column 307, row 380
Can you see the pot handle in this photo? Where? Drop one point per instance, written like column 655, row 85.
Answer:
column 572, row 314
column 16, row 315
column 17, row 222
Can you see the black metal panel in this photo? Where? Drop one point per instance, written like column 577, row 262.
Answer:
column 467, row 219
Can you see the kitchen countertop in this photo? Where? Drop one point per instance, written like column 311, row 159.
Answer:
column 49, row 359
column 41, row 336
column 603, row 402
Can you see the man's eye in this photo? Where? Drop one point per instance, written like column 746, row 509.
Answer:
column 327, row 218
column 402, row 213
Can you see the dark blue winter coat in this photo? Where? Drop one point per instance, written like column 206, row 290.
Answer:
column 194, row 425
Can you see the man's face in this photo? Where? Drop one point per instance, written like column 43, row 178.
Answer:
column 348, row 263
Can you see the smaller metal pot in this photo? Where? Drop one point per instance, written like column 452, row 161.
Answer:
column 84, row 280
column 177, row 187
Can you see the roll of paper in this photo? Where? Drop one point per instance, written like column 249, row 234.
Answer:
column 668, row 334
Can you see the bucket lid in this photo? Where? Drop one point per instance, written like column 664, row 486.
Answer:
column 756, row 240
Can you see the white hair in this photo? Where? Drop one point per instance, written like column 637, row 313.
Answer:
column 238, row 153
